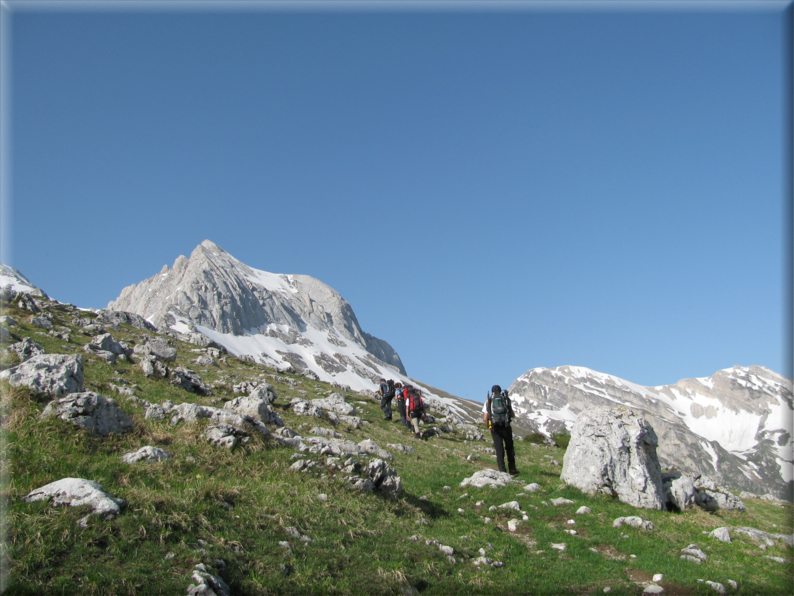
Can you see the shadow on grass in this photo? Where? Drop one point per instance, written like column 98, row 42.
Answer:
column 429, row 508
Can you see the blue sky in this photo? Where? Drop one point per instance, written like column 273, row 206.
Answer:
column 491, row 190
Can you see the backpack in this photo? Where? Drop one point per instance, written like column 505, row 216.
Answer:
column 415, row 402
column 500, row 409
column 389, row 389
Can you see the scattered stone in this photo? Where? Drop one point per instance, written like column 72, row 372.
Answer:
column 53, row 375
column 583, row 510
column 189, row 381
column 653, row 589
column 90, row 411
column 721, row 534
column 693, row 553
column 513, row 524
column 613, row 451
column 157, row 346
column 634, row 522
column 6, row 320
column 776, row 559
column 76, row 492
column 155, row 412
column 148, row 454
column 370, row 446
column 384, row 479
column 225, row 435
column 42, row 322
column 152, row 367
column 514, row 505
column 717, row 587
column 561, row 501
column 561, row 546
column 26, row 349
column 207, row 584
column 657, row 578
column 765, row 537
column 401, row 447
column 531, row 488
column 733, row 584
column 256, row 407
column 335, row 403
column 487, row 477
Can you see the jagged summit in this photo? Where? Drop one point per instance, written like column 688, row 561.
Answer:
column 734, row 426
column 218, row 295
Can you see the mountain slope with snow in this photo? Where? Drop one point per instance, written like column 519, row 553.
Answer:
column 18, row 282
column 288, row 322
column 735, row 426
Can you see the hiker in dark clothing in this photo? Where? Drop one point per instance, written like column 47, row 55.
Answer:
column 386, row 391
column 399, row 395
column 497, row 414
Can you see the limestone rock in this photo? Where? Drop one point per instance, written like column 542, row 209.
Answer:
column 76, row 492
column 54, row 375
column 335, row 403
column 207, row 584
column 488, row 477
column 42, row 322
column 255, row 407
column 370, row 446
column 713, row 500
column 107, row 343
column 384, row 479
column 693, row 553
column 26, row 349
column 224, row 435
column 302, row 407
column 189, row 381
column 634, row 522
column 721, row 534
column 265, row 392
column 147, row 454
column 117, row 317
column 401, row 447
column 679, row 490
column 613, row 452
column 90, row 411
column 192, row 412
column 533, row 487
column 152, row 367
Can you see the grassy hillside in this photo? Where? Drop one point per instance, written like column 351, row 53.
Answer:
column 230, row 509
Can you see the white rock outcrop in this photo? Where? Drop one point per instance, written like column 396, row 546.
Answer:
column 90, row 411
column 613, row 452
column 76, row 492
column 54, row 375
column 146, row 454
column 489, row 478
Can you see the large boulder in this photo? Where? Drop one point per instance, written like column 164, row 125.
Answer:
column 53, row 375
column 613, row 451
column 90, row 411
column 76, row 492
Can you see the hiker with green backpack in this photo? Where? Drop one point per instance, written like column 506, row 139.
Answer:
column 497, row 414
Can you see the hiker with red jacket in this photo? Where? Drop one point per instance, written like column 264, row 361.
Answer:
column 497, row 414
column 416, row 408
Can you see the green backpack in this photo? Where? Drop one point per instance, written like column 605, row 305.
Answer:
column 500, row 409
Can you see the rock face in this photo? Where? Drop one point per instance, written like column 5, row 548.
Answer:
column 613, row 452
column 53, row 375
column 214, row 291
column 76, row 492
column 90, row 411
column 735, row 426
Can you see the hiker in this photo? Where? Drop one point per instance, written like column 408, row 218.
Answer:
column 497, row 414
column 386, row 391
column 399, row 395
column 416, row 409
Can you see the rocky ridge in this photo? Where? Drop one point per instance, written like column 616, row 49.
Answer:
column 735, row 426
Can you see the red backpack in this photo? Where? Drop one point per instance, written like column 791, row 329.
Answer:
column 415, row 403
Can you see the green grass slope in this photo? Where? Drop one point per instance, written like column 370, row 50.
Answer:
column 229, row 509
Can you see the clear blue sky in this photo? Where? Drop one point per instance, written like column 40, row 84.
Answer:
column 491, row 190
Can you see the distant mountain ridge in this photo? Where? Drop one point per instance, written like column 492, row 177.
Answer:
column 735, row 426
